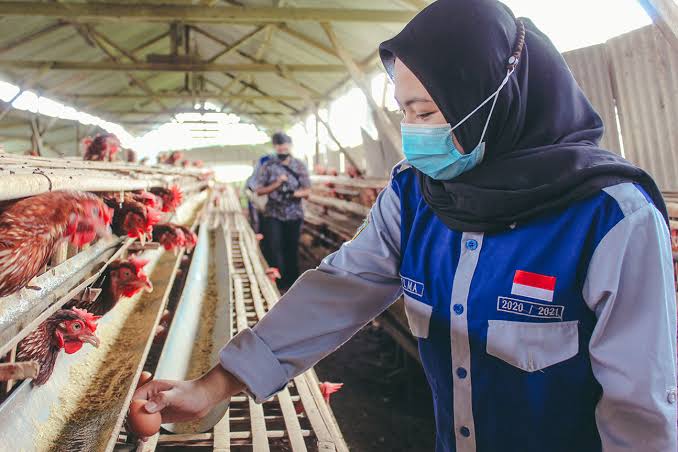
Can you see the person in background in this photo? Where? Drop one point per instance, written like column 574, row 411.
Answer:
column 252, row 203
column 284, row 179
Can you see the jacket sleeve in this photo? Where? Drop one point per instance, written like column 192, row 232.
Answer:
column 630, row 288
column 324, row 308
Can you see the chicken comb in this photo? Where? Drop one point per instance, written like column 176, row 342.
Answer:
column 177, row 196
column 138, row 264
column 90, row 319
column 327, row 388
column 153, row 217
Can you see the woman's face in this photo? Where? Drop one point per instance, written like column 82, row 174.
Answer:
column 415, row 102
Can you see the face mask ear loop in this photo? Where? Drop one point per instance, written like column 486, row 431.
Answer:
column 494, row 102
column 490, row 97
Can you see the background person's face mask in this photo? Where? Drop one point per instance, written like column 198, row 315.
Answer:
column 431, row 149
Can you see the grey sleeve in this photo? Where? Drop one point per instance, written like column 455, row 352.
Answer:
column 324, row 308
column 633, row 347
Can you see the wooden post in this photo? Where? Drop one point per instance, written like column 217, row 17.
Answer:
column 336, row 141
column 664, row 14
column 36, row 139
column 317, row 137
column 384, row 124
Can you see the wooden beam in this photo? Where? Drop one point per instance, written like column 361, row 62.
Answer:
column 178, row 96
column 196, row 13
column 169, row 67
column 36, row 138
column 307, row 39
column 25, row 84
column 176, row 112
column 236, row 45
column 384, row 123
column 336, row 141
column 150, row 42
column 98, row 38
column 664, row 14
column 30, row 37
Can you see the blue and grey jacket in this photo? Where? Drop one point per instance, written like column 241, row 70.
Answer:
column 556, row 335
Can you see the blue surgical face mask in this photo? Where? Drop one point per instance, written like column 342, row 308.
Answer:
column 430, row 148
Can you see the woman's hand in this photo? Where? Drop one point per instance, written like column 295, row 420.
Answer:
column 180, row 401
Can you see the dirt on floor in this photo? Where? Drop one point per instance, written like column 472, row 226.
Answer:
column 385, row 404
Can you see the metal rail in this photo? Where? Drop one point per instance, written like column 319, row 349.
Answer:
column 84, row 403
column 296, row 419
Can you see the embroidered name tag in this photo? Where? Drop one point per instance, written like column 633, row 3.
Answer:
column 412, row 286
column 529, row 308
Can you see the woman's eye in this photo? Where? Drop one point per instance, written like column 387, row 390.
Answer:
column 424, row 115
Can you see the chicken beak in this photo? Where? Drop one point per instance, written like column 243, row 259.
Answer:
column 90, row 339
column 148, row 285
column 142, row 239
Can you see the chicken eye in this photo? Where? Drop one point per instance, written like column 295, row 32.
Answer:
column 77, row 327
column 95, row 211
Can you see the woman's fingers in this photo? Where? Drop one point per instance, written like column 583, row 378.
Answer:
column 160, row 401
column 151, row 388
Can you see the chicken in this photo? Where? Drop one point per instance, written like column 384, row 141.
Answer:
column 122, row 278
column 67, row 329
column 174, row 158
column 101, row 148
column 171, row 197
column 31, row 229
column 132, row 218
column 169, row 235
column 326, row 389
column 191, row 238
column 146, row 198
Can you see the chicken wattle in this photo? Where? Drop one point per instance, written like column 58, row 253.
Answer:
column 67, row 329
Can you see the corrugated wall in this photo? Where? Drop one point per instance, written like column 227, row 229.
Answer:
column 590, row 67
column 645, row 69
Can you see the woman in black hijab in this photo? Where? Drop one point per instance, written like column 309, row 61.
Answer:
column 535, row 267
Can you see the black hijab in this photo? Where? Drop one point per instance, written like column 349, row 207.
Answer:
column 541, row 149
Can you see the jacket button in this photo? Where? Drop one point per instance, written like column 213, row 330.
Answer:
column 671, row 398
column 461, row 372
column 458, row 309
column 472, row 244
column 465, row 432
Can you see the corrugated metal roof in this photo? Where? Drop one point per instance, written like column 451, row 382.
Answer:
column 646, row 77
column 68, row 41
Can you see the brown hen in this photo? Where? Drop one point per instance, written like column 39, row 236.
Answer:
column 66, row 329
column 31, row 228
column 122, row 278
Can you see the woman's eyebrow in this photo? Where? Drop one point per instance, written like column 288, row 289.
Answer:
column 413, row 100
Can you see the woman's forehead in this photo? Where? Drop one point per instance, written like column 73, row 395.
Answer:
column 408, row 88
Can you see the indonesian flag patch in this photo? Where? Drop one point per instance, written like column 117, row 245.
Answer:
column 533, row 285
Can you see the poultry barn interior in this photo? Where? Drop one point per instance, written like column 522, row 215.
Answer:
column 128, row 131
